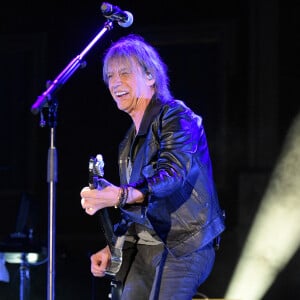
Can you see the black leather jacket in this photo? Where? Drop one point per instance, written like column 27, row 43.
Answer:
column 171, row 166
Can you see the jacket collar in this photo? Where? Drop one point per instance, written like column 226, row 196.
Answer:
column 150, row 113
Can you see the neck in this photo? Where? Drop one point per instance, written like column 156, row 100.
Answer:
column 137, row 117
column 138, row 113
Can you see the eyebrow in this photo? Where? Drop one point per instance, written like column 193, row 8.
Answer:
column 126, row 68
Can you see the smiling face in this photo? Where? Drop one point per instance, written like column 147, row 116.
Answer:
column 130, row 87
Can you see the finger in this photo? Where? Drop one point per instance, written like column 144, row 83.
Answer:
column 85, row 189
column 98, row 273
column 90, row 210
column 98, row 269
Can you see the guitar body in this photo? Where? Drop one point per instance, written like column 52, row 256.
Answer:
column 116, row 290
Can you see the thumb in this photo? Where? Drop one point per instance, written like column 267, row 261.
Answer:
column 102, row 183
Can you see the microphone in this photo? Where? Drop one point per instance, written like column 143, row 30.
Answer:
column 114, row 13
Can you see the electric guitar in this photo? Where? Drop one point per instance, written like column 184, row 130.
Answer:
column 115, row 243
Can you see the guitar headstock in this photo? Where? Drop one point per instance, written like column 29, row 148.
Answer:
column 96, row 170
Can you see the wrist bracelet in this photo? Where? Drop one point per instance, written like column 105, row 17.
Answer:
column 121, row 192
column 122, row 196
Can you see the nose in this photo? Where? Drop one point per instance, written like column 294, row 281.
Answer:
column 115, row 79
column 114, row 83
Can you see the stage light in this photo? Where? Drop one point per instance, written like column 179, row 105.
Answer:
column 18, row 257
column 275, row 235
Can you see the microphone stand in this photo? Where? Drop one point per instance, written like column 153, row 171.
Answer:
column 47, row 100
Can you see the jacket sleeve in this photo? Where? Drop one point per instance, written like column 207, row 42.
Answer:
column 179, row 133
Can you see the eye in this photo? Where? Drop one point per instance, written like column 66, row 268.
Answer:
column 124, row 73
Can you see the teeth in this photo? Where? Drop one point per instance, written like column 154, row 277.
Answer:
column 120, row 93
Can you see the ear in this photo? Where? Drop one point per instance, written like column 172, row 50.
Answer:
column 150, row 79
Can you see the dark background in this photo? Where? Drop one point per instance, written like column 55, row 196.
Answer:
column 234, row 62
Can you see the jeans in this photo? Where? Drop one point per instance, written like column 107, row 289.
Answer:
column 154, row 274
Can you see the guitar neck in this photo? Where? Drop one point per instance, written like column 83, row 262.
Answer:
column 107, row 227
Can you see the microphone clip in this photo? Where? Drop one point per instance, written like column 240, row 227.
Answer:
column 114, row 13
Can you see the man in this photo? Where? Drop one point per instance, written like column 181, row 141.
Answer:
column 167, row 195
